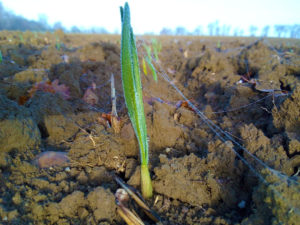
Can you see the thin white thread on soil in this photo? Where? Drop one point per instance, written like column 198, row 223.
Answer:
column 241, row 107
column 224, row 136
column 272, row 94
column 215, row 128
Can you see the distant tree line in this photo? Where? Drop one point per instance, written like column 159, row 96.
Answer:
column 215, row 29
column 10, row 21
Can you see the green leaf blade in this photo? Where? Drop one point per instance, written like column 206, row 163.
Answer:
column 132, row 84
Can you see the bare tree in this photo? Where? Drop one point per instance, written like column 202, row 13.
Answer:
column 265, row 31
column 279, row 29
column 210, row 28
column 285, row 30
column 43, row 19
column 253, row 30
column 198, row 31
column 58, row 26
column 10, row 21
column 217, row 28
column 181, row 31
column 295, row 31
column 166, row 31
column 236, row 32
column 75, row 29
column 213, row 28
column 226, row 30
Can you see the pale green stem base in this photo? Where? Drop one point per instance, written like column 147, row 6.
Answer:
column 146, row 184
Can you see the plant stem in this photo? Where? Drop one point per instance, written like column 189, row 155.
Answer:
column 146, row 182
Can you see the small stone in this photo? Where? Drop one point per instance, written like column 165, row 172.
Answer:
column 50, row 159
column 168, row 150
column 122, row 196
column 176, row 117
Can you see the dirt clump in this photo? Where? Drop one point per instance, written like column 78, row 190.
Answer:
column 200, row 174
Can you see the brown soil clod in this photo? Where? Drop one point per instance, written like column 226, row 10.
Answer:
column 196, row 173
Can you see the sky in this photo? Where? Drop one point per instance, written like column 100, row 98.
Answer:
column 150, row 16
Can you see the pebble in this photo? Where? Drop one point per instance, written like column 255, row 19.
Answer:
column 51, row 159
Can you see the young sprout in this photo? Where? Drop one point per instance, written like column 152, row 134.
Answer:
column 21, row 38
column 156, row 48
column 1, row 59
column 148, row 59
column 219, row 46
column 57, row 45
column 132, row 87
column 144, row 66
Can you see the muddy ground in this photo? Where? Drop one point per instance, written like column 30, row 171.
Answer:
column 248, row 87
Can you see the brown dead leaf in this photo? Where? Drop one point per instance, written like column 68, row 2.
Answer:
column 109, row 120
column 90, row 97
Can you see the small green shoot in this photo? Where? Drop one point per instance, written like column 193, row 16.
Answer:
column 21, row 38
column 132, row 87
column 219, row 45
column 156, row 48
column 144, row 66
column 57, row 45
column 152, row 68
column 1, row 58
column 148, row 59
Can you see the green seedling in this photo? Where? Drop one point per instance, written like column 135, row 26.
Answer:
column 21, row 38
column 144, row 66
column 156, row 48
column 132, row 87
column 148, row 59
column 57, row 45
column 219, row 45
column 1, row 59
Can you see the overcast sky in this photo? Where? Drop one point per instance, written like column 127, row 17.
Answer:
column 153, row 15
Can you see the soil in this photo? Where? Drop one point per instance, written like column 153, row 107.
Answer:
column 57, row 156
